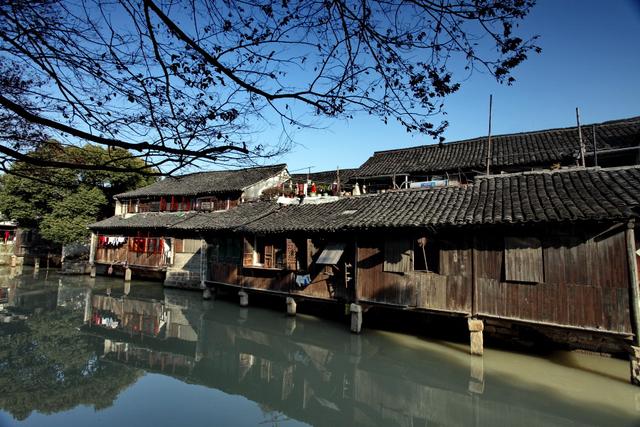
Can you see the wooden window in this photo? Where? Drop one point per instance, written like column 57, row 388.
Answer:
column 267, row 252
column 398, row 255
column 292, row 255
column 426, row 254
column 248, row 252
column 523, row 259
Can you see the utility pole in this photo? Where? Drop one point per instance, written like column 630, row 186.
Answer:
column 489, row 137
column 582, row 148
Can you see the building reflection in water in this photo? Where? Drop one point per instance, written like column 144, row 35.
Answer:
column 311, row 370
column 299, row 368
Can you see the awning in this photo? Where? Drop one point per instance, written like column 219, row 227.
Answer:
column 331, row 254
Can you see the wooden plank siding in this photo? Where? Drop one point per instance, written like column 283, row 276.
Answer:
column 449, row 290
column 327, row 282
column 585, row 281
column 111, row 255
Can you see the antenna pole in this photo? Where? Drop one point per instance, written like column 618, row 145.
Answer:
column 582, row 148
column 489, row 137
column 595, row 147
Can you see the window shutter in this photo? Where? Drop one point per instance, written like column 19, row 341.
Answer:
column 269, row 261
column 398, row 255
column 247, row 257
column 523, row 259
column 292, row 255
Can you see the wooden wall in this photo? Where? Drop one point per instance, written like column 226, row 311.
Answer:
column 574, row 276
column 585, row 284
column 326, row 282
column 122, row 254
column 449, row 289
column 111, row 255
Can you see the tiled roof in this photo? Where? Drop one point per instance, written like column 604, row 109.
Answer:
column 229, row 219
column 324, row 177
column 151, row 220
column 551, row 196
column 193, row 221
column 567, row 195
column 202, row 183
column 520, row 149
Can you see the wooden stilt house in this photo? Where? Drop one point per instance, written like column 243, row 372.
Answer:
column 552, row 250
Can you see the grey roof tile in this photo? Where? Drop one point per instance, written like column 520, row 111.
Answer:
column 202, row 183
column 520, row 149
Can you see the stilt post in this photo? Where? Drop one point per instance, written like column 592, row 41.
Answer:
column 291, row 306
column 356, row 318
column 476, row 326
column 244, row 298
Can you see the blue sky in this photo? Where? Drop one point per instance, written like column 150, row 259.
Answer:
column 590, row 60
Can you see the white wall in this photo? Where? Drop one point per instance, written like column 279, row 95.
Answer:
column 254, row 191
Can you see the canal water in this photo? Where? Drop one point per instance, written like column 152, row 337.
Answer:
column 76, row 351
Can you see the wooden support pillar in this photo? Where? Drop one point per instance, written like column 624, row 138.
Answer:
column 634, row 295
column 92, row 248
column 14, row 260
column 291, row 306
column 127, row 274
column 244, row 298
column 356, row 318
column 476, row 326
column 92, row 274
column 36, row 264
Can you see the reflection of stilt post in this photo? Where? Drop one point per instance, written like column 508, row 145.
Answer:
column 243, row 314
column 92, row 274
column 290, row 326
column 244, row 298
column 13, row 260
column 355, row 349
column 206, row 293
column 127, row 287
column 291, row 306
column 200, row 341
column 36, row 264
column 476, row 326
column 476, row 374
column 87, row 306
column 356, row 318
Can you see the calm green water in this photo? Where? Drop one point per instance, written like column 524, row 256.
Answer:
column 78, row 352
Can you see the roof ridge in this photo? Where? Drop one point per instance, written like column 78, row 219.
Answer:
column 279, row 165
column 504, row 135
column 563, row 170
